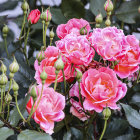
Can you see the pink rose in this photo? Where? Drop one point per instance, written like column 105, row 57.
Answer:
column 76, row 49
column 34, row 16
column 130, row 62
column 108, row 42
column 101, row 88
column 51, row 56
column 49, row 109
column 76, row 108
column 72, row 26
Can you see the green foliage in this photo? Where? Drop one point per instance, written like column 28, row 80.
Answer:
column 5, row 133
column 33, row 135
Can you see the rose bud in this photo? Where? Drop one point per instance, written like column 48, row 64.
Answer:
column 8, row 98
column 3, row 68
column 43, row 76
column 108, row 22
column 79, row 74
column 51, row 34
column 15, row 88
column 40, row 56
column 106, row 113
column 5, row 30
column 14, row 67
column 108, row 6
column 34, row 16
column 25, row 7
column 59, row 64
column 3, row 79
column 83, row 31
column 33, row 92
column 99, row 18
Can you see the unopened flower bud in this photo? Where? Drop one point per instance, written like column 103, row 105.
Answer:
column 106, row 113
column 33, row 92
column 79, row 74
column 8, row 98
column 108, row 6
column 43, row 76
column 5, row 30
column 24, row 6
column 51, row 35
column 46, row 16
column 3, row 68
column 108, row 22
column 14, row 67
column 59, row 64
column 40, row 56
column 3, row 79
column 83, row 31
column 97, row 25
column 99, row 18
column 15, row 87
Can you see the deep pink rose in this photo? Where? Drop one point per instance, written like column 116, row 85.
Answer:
column 51, row 56
column 72, row 26
column 108, row 42
column 49, row 109
column 131, row 60
column 34, row 16
column 101, row 88
column 76, row 49
column 76, row 108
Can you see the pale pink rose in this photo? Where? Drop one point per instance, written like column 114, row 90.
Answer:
column 49, row 109
column 51, row 55
column 129, row 63
column 76, row 49
column 76, row 108
column 108, row 42
column 72, row 26
column 101, row 88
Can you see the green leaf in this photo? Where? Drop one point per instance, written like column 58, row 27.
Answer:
column 124, row 137
column 136, row 99
column 1, row 123
column 15, row 117
column 33, row 135
column 67, row 136
column 57, row 16
column 5, row 133
column 76, row 134
column 128, row 12
column 97, row 6
column 9, row 5
column 73, row 9
column 116, row 128
column 132, row 116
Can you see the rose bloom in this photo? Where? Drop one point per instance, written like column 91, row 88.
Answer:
column 101, row 88
column 72, row 26
column 49, row 109
column 76, row 108
column 130, row 62
column 76, row 49
column 51, row 56
column 108, row 43
column 34, row 16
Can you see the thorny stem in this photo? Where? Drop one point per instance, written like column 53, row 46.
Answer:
column 64, row 81
column 55, row 84
column 5, row 41
column 19, row 109
column 105, row 125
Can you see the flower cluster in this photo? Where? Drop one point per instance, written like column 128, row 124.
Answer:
column 97, row 85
